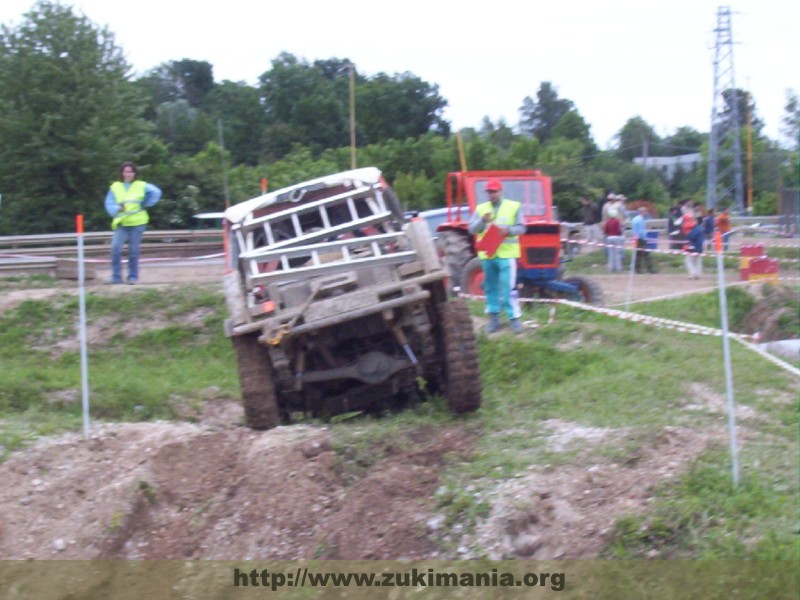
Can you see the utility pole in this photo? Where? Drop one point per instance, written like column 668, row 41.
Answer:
column 724, row 184
column 352, row 87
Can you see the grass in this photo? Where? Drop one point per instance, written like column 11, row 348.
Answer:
column 586, row 369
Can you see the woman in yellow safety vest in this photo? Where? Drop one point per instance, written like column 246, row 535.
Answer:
column 500, row 269
column 126, row 204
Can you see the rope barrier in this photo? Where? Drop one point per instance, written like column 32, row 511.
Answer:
column 658, row 322
column 673, row 252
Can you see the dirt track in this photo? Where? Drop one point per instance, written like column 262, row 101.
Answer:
column 217, row 490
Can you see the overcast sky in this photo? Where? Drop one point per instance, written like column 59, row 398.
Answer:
column 615, row 59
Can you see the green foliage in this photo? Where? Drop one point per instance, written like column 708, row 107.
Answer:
column 539, row 118
column 703, row 516
column 766, row 203
column 68, row 117
column 584, row 369
column 703, row 309
column 70, row 114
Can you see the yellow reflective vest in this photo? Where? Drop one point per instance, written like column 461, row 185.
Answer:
column 504, row 216
column 131, row 198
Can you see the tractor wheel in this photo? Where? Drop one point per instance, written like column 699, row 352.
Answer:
column 457, row 249
column 255, row 380
column 588, row 291
column 461, row 378
column 472, row 278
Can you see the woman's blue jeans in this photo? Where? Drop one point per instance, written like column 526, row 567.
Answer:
column 133, row 237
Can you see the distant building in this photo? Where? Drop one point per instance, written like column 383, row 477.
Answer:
column 668, row 165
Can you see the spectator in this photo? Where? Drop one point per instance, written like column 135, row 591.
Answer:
column 639, row 230
column 614, row 240
column 126, row 202
column 708, row 228
column 694, row 249
column 674, row 227
column 499, row 269
column 723, row 224
column 688, row 220
column 591, row 222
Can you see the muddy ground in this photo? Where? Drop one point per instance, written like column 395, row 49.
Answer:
column 217, row 490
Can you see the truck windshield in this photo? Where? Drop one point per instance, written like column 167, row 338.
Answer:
column 528, row 192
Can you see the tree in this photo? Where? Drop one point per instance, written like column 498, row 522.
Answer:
column 500, row 134
column 540, row 118
column 638, row 138
column 572, row 126
column 685, row 140
column 68, row 117
column 189, row 80
column 239, row 108
column 790, row 123
column 305, row 104
column 185, row 129
column 397, row 107
column 745, row 108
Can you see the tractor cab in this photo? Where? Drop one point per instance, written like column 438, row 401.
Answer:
column 538, row 269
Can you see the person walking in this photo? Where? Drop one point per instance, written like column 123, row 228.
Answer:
column 591, row 223
column 126, row 203
column 694, row 249
column 723, row 224
column 499, row 268
column 639, row 230
column 614, row 241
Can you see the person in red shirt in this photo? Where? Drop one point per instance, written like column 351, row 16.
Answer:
column 614, row 240
column 723, row 225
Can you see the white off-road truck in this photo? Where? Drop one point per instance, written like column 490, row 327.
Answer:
column 336, row 303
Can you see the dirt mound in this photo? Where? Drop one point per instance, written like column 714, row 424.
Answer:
column 775, row 315
column 173, row 491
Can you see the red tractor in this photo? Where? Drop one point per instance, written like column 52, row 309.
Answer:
column 539, row 272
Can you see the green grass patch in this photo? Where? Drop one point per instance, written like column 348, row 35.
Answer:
column 703, row 516
column 585, row 369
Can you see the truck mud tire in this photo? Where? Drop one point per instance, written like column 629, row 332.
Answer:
column 472, row 278
column 461, row 378
column 255, row 380
column 457, row 250
column 588, row 291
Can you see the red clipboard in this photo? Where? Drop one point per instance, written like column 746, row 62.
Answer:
column 491, row 240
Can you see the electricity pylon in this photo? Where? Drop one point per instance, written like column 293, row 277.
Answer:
column 724, row 184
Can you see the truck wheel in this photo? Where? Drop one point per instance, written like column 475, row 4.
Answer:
column 472, row 278
column 457, row 250
column 461, row 377
column 588, row 291
column 255, row 380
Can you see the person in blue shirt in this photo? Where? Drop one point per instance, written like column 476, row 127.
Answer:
column 639, row 230
column 126, row 203
column 708, row 227
column 694, row 250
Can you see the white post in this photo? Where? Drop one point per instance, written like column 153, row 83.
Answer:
column 82, row 303
column 727, row 358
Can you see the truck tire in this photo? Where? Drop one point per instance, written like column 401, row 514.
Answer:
column 461, row 377
column 255, row 380
column 456, row 247
column 472, row 278
column 588, row 291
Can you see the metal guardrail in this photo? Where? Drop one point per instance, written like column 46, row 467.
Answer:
column 43, row 252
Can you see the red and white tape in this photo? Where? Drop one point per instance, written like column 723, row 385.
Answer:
column 658, row 322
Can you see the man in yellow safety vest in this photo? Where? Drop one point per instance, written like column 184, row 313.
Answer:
column 126, row 202
column 500, row 269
